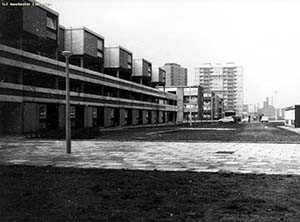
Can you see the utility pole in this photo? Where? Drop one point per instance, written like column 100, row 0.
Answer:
column 67, row 54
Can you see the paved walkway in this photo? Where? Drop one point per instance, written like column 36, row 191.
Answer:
column 210, row 157
column 292, row 129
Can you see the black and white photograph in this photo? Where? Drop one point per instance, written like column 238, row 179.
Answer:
column 150, row 110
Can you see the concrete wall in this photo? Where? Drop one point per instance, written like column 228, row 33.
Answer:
column 11, row 118
column 2, row 118
column 153, row 117
column 160, row 117
column 180, row 105
column 123, row 117
column 61, row 116
column 108, row 116
column 135, row 115
column 88, row 116
column 145, row 116
column 31, row 117
column 297, row 116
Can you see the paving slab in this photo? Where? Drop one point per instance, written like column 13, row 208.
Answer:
column 173, row 156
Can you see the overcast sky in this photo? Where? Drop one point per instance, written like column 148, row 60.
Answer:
column 262, row 36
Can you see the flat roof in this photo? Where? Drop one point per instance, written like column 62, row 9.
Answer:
column 85, row 29
column 143, row 60
column 120, row 47
column 43, row 6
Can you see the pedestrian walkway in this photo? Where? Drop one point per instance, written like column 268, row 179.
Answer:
column 292, row 129
column 206, row 157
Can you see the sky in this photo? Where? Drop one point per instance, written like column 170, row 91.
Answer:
column 263, row 36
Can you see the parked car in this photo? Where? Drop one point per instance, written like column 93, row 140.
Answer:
column 226, row 119
column 245, row 120
column 264, row 119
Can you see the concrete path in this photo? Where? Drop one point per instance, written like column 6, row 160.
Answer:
column 209, row 157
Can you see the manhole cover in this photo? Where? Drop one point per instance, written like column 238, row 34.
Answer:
column 225, row 152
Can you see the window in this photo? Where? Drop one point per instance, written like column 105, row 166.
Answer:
column 51, row 23
column 43, row 111
column 149, row 70
column 129, row 62
column 100, row 44
column 99, row 54
column 72, row 112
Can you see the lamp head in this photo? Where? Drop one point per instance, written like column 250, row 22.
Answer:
column 66, row 53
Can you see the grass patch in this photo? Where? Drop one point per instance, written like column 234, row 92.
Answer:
column 66, row 194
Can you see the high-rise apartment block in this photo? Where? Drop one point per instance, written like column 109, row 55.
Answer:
column 226, row 81
column 175, row 75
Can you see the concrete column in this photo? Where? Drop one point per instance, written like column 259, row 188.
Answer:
column 145, row 116
column 180, row 105
column 153, row 117
column 108, row 116
column 123, row 116
column 88, row 117
column 160, row 117
column 135, row 115
column 81, row 62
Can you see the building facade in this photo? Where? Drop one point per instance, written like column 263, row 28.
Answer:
column 189, row 101
column 142, row 71
column 118, row 62
column 32, row 80
column 175, row 75
column 226, row 81
column 213, row 107
column 292, row 116
column 268, row 110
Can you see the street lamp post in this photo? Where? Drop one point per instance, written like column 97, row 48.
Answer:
column 275, row 105
column 67, row 54
column 190, row 107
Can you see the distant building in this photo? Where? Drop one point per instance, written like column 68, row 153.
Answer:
column 192, row 100
column 292, row 116
column 226, row 81
column 175, row 75
column 189, row 100
column 249, row 110
column 267, row 110
column 213, row 107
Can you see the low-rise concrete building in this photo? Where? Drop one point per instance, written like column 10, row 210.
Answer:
column 142, row 71
column 32, row 79
column 189, row 102
column 292, row 116
column 158, row 77
column 86, row 46
column 118, row 62
column 213, row 106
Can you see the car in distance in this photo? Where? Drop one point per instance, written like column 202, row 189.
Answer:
column 264, row 119
column 226, row 119
column 245, row 120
